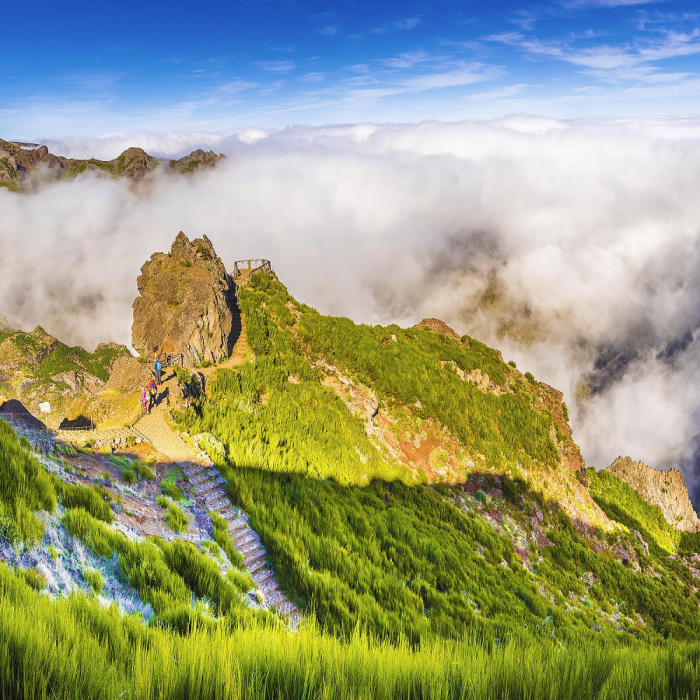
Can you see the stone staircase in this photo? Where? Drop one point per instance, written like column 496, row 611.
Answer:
column 210, row 489
column 211, row 495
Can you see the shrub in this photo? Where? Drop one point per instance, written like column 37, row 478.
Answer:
column 144, row 471
column 162, row 501
column 129, row 476
column 176, row 519
column 93, row 499
column 94, row 579
column 34, row 579
column 170, row 488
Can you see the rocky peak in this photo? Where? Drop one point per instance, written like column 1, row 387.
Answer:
column 134, row 163
column 665, row 489
column 186, row 303
column 437, row 326
column 196, row 160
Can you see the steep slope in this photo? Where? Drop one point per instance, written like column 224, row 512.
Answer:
column 665, row 489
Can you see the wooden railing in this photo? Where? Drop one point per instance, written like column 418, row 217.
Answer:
column 251, row 266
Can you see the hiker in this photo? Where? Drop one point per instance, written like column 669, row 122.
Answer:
column 152, row 394
column 158, row 369
column 144, row 401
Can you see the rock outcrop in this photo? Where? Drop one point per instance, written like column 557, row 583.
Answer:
column 186, row 304
column 437, row 326
column 666, row 489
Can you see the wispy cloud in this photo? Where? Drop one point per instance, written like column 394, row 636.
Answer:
column 626, row 62
column 276, row 66
column 407, row 60
column 312, row 77
column 498, row 93
column 98, row 80
column 576, row 4
column 329, row 30
column 399, row 25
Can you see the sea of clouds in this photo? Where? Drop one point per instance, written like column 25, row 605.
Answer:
column 574, row 247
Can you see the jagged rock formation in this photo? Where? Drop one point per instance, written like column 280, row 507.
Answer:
column 437, row 326
column 666, row 489
column 19, row 161
column 195, row 161
column 186, row 304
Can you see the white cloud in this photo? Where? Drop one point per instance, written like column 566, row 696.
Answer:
column 586, row 231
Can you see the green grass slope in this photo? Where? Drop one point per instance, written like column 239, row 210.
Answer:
column 357, row 536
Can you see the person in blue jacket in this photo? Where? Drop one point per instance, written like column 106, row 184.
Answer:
column 158, row 369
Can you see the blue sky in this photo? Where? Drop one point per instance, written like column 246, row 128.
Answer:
column 93, row 68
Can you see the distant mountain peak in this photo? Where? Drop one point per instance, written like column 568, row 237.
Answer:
column 19, row 161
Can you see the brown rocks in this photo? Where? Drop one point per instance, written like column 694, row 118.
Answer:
column 186, row 304
column 666, row 489
column 437, row 326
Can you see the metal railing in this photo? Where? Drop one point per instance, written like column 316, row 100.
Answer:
column 253, row 265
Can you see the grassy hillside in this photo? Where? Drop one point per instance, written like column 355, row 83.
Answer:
column 356, row 534
column 422, row 516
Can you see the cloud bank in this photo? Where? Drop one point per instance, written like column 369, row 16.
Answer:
column 572, row 246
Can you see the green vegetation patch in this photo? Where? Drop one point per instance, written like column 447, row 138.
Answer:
column 177, row 519
column 24, row 488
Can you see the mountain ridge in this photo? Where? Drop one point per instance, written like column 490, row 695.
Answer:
column 21, row 167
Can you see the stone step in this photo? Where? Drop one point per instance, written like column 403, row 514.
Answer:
column 218, row 506
column 214, row 496
column 204, row 487
column 275, row 599
column 268, row 586
column 229, row 514
column 250, row 548
column 198, row 478
column 263, row 575
column 243, row 535
column 245, row 539
column 238, row 524
column 192, row 469
column 256, row 562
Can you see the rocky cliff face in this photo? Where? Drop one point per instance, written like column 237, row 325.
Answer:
column 186, row 303
column 20, row 163
column 667, row 490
